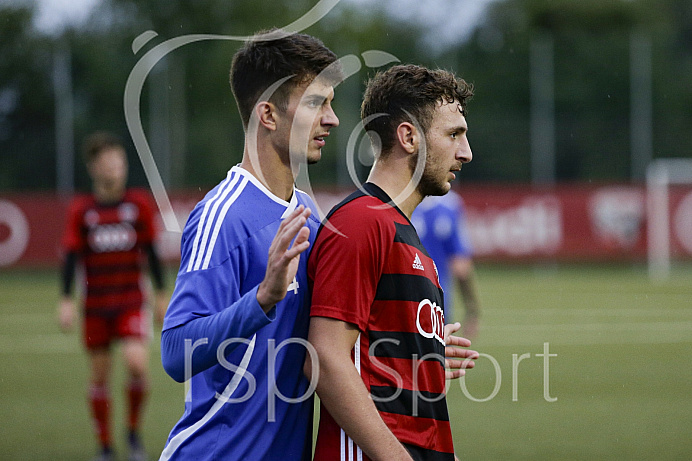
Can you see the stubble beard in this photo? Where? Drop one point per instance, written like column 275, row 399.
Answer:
column 311, row 160
column 429, row 184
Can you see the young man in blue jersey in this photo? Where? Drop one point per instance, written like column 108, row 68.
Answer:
column 237, row 322
column 441, row 225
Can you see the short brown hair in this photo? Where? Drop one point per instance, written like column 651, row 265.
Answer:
column 97, row 142
column 270, row 56
column 409, row 93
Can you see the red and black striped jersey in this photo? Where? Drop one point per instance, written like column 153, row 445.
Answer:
column 111, row 239
column 368, row 268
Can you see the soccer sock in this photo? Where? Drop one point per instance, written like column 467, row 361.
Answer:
column 100, row 401
column 136, row 393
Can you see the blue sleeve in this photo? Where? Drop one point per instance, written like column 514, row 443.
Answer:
column 444, row 226
column 194, row 344
column 209, row 305
column 461, row 244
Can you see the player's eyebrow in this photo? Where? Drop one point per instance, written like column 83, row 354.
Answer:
column 318, row 98
column 459, row 129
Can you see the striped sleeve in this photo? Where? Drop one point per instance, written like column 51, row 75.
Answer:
column 345, row 265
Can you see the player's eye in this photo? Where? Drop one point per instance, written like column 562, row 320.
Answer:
column 315, row 103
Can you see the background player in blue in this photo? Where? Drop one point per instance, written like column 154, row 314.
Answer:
column 441, row 225
column 237, row 322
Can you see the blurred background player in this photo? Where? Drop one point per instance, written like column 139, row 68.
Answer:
column 111, row 232
column 441, row 225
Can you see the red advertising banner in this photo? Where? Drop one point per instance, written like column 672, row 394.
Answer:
column 573, row 222
column 581, row 222
column 30, row 229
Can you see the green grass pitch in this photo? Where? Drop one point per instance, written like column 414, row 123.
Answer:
column 618, row 381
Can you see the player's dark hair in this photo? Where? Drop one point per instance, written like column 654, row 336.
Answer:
column 271, row 56
column 409, row 93
column 99, row 141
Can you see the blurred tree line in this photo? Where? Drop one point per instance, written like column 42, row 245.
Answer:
column 192, row 123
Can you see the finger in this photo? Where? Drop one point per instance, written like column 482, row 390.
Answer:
column 461, row 353
column 452, row 328
column 300, row 243
column 459, row 364
column 294, row 221
column 283, row 237
column 303, row 235
column 454, row 374
column 300, row 211
column 294, row 229
column 294, row 214
column 457, row 341
column 466, row 363
column 295, row 250
column 290, row 219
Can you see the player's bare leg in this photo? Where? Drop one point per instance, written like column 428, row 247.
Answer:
column 136, row 355
column 99, row 399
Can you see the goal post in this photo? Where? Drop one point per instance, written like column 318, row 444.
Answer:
column 660, row 175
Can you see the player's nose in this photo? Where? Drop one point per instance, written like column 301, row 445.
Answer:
column 464, row 153
column 329, row 118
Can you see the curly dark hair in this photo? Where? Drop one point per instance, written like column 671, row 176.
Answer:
column 272, row 55
column 408, row 93
column 99, row 141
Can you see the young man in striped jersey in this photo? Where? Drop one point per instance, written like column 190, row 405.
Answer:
column 237, row 322
column 441, row 225
column 112, row 232
column 376, row 299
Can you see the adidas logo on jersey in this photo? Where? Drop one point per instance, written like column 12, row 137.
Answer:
column 417, row 264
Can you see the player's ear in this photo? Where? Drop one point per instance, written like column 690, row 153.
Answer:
column 266, row 114
column 407, row 137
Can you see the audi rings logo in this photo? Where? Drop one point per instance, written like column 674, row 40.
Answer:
column 112, row 237
column 430, row 320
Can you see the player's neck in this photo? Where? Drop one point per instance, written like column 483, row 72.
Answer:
column 106, row 195
column 394, row 177
column 271, row 172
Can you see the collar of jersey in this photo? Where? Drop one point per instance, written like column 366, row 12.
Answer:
column 290, row 206
column 376, row 191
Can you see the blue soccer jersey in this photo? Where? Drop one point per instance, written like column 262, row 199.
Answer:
column 440, row 223
column 251, row 401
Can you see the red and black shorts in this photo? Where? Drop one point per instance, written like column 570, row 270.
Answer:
column 102, row 328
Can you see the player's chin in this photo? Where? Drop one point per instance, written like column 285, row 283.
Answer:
column 445, row 187
column 314, row 156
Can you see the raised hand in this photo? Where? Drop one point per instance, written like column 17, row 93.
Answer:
column 282, row 263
